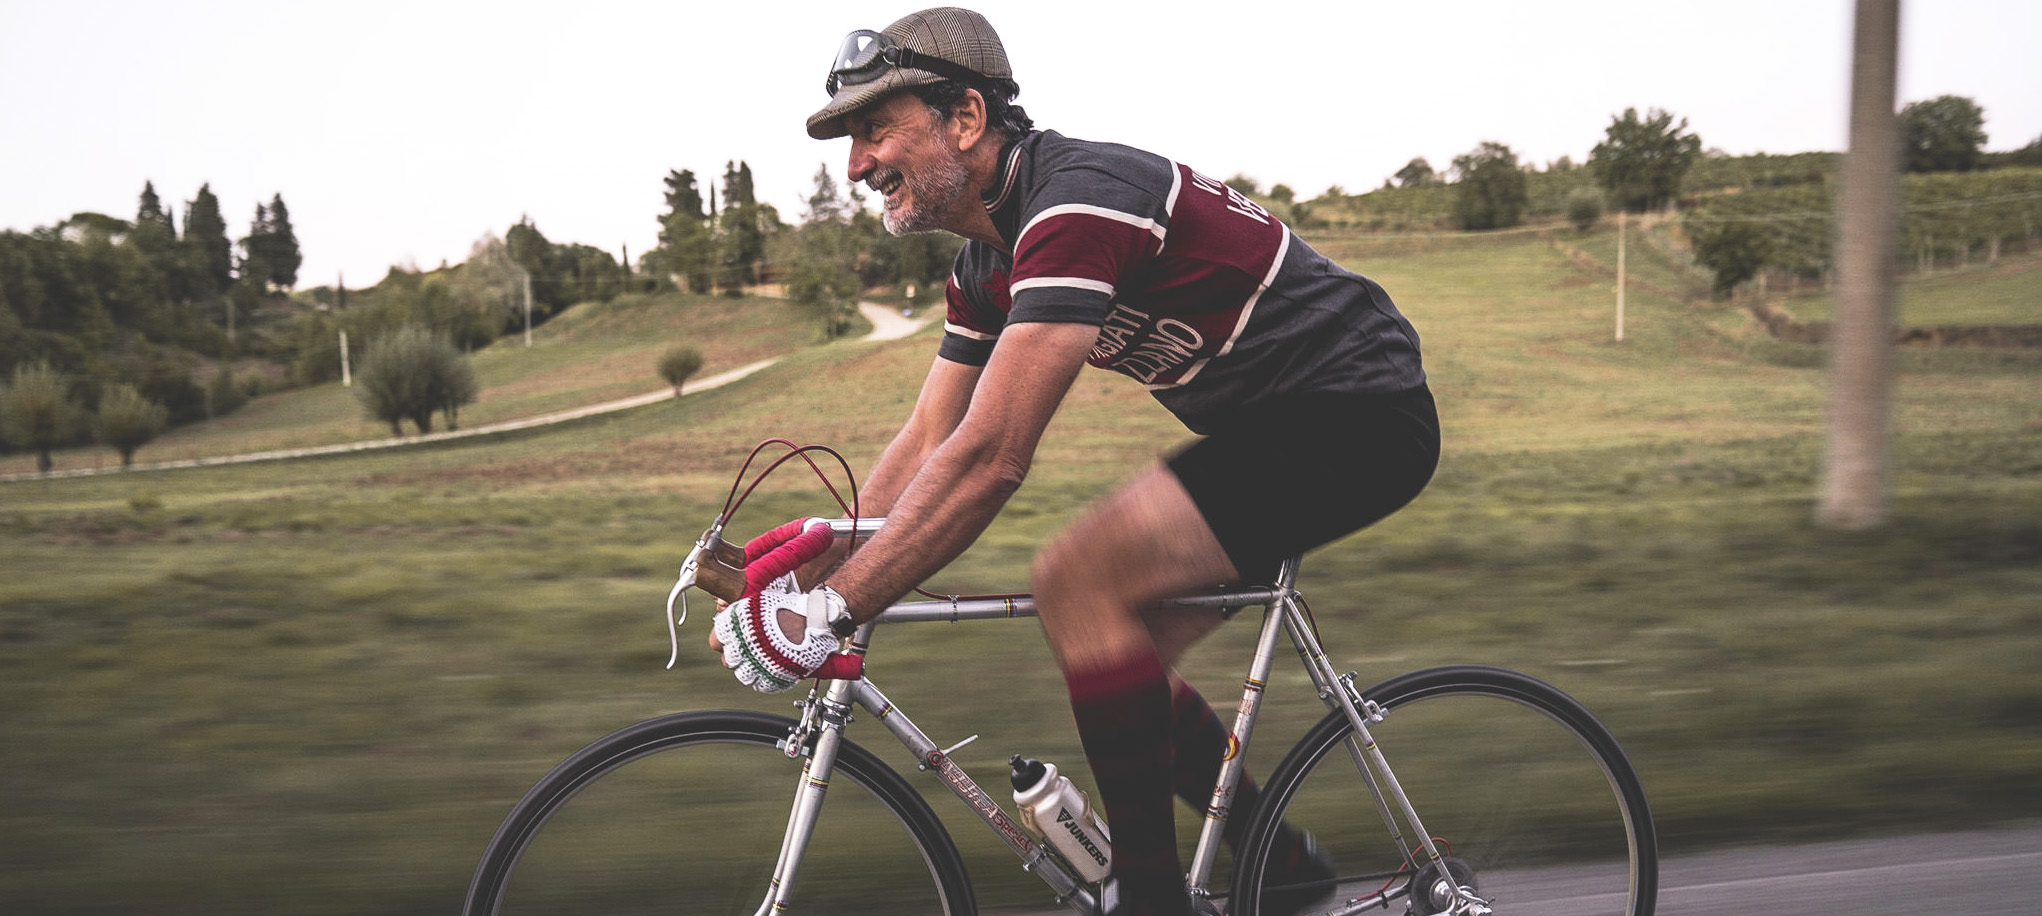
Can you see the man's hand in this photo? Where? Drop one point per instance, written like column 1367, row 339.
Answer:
column 751, row 635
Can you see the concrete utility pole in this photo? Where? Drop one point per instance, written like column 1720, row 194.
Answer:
column 1621, row 235
column 1857, row 459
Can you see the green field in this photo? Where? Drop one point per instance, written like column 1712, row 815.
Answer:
column 315, row 687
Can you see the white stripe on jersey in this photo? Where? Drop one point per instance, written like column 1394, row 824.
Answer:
column 1247, row 309
column 951, row 327
column 1139, row 222
column 1176, row 184
column 1085, row 283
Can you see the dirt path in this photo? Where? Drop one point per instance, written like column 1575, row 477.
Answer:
column 887, row 324
column 705, row 384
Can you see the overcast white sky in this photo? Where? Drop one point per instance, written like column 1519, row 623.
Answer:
column 403, row 131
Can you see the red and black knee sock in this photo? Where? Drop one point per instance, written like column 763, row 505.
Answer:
column 1124, row 721
column 1201, row 742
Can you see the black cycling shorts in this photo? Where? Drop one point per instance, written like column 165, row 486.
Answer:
column 1307, row 469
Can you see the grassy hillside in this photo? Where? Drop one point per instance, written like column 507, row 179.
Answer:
column 591, row 354
column 315, row 687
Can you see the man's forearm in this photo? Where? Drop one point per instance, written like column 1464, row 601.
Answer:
column 957, row 494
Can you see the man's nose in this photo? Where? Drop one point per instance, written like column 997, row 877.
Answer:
column 861, row 163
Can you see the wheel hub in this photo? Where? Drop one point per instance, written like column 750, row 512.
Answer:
column 1446, row 888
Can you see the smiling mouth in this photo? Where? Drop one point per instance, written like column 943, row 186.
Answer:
column 886, row 183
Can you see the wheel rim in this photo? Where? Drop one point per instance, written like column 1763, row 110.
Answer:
column 1517, row 801
column 693, row 824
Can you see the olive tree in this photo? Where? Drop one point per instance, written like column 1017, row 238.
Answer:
column 36, row 411
column 677, row 364
column 411, row 374
column 127, row 421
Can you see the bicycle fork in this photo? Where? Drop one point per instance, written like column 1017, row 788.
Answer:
column 818, row 735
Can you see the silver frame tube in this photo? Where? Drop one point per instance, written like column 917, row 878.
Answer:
column 1283, row 614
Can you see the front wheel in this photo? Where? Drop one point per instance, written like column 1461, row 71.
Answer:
column 1533, row 805
column 686, row 813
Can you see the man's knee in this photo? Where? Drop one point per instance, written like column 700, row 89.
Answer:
column 1059, row 566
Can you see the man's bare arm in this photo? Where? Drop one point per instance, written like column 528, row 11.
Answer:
column 945, row 396
column 962, row 484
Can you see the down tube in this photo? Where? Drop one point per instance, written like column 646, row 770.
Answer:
column 1034, row 857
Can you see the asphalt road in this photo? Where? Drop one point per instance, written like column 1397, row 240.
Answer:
column 1982, row 873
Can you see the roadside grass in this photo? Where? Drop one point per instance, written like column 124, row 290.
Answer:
column 316, row 687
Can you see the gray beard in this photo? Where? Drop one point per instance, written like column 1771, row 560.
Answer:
column 932, row 191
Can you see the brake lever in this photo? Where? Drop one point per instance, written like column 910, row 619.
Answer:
column 690, row 567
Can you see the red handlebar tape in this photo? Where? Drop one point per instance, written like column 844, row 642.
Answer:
column 781, row 551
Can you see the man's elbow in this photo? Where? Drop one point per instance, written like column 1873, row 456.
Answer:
column 1006, row 472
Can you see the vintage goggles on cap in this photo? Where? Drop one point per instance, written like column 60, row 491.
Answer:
column 868, row 55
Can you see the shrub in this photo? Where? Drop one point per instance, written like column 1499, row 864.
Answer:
column 1584, row 208
column 1736, row 251
column 36, row 412
column 677, row 364
column 127, row 421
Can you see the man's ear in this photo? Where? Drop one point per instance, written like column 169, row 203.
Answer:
column 968, row 117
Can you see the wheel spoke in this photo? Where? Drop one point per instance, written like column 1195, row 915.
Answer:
column 687, row 815
column 1530, row 803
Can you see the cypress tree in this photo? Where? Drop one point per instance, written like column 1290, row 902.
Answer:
column 684, row 235
column 282, row 254
column 208, row 256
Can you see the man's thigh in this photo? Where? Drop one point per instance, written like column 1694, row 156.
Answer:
column 1144, row 541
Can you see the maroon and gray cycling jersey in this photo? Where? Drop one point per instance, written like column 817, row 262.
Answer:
column 1198, row 292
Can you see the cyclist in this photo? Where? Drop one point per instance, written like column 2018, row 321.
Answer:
column 1080, row 252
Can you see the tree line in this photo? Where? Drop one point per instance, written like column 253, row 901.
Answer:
column 112, row 330
column 1642, row 163
column 121, row 316
column 838, row 249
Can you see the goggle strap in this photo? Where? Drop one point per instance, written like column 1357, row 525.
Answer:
column 939, row 66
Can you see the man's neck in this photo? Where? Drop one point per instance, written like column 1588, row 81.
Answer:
column 971, row 219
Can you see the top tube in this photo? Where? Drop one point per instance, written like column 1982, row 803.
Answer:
column 956, row 608
column 953, row 609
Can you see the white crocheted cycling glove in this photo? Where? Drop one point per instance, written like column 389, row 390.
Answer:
column 758, row 653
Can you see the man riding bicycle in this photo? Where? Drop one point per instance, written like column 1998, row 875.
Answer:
column 1081, row 252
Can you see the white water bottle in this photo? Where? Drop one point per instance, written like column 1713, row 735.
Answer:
column 1059, row 814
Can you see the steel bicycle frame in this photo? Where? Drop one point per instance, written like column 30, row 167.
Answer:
column 828, row 710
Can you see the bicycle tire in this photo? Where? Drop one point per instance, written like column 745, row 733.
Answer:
column 685, row 813
column 1538, row 807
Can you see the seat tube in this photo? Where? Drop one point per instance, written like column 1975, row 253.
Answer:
column 1219, row 808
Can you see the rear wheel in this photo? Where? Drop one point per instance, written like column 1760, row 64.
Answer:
column 1533, row 803
column 685, row 814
